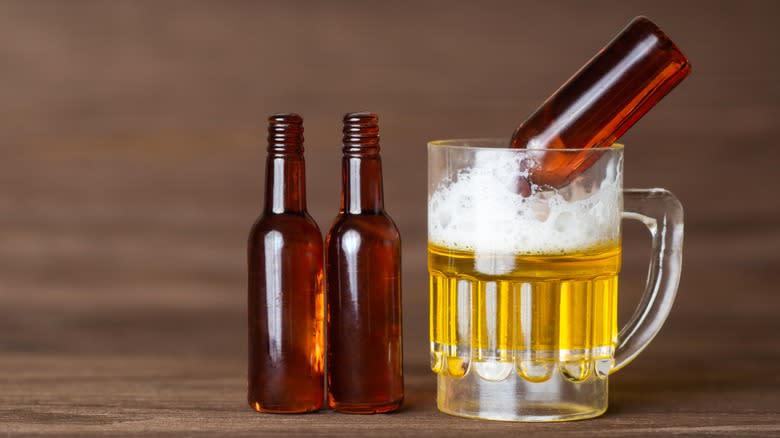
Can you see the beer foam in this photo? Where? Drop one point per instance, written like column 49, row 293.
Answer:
column 480, row 210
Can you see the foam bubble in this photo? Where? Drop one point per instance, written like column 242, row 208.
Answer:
column 481, row 210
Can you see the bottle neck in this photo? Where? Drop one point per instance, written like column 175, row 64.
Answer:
column 285, row 183
column 361, row 182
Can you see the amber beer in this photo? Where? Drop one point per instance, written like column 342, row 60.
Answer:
column 286, row 297
column 522, row 284
column 363, row 263
column 543, row 313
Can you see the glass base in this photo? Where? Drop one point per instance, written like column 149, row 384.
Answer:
column 517, row 399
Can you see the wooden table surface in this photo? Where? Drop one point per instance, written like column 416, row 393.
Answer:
column 131, row 151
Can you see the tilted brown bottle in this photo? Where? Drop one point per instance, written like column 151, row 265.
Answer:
column 602, row 100
column 286, row 297
column 363, row 266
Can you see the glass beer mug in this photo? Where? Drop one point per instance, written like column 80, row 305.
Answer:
column 524, row 279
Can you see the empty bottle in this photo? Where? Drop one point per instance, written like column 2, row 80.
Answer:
column 363, row 265
column 602, row 100
column 286, row 297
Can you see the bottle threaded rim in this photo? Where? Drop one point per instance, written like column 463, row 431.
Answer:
column 361, row 132
column 285, row 133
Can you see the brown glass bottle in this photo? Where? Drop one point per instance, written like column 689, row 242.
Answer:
column 286, row 297
column 363, row 264
column 602, row 100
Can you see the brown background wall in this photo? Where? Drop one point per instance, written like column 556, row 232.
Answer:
column 131, row 151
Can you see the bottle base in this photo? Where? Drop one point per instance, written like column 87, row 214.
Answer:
column 365, row 408
column 303, row 409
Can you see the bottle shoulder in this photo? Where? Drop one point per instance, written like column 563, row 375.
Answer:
column 299, row 225
column 378, row 225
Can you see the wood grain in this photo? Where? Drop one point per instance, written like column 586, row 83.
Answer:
column 131, row 151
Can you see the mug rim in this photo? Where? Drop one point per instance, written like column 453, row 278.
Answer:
column 473, row 144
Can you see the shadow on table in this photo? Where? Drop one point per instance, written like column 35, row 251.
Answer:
column 691, row 381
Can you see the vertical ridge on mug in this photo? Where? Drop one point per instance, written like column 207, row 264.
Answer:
column 542, row 311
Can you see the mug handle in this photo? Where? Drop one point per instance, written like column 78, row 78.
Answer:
column 662, row 214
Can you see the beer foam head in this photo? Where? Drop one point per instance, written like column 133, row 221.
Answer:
column 480, row 210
